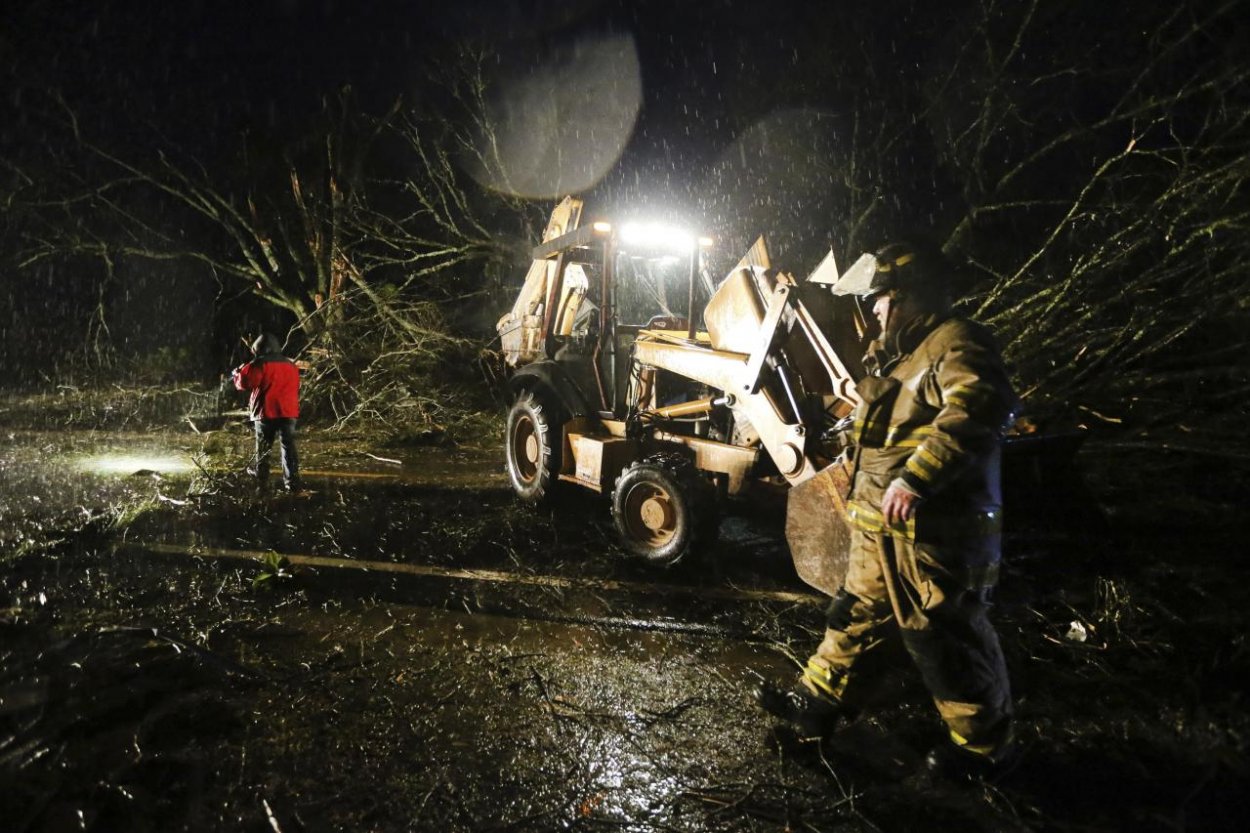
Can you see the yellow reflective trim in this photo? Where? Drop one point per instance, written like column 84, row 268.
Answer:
column 818, row 677
column 901, row 260
column 866, row 432
column 901, row 437
column 821, row 673
column 867, row 519
column 926, row 459
column 966, row 396
column 822, row 678
column 863, row 517
column 920, row 467
column 985, row 750
column 923, row 475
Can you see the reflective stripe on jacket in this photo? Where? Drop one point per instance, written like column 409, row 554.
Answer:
column 935, row 419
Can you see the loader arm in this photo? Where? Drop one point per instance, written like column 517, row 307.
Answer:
column 785, row 442
column 740, row 374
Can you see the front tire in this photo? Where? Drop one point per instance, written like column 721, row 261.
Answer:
column 661, row 508
column 532, row 447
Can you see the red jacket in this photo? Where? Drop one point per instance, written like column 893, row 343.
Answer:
column 274, row 383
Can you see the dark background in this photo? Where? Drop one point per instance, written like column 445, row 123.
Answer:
column 1083, row 164
column 198, row 76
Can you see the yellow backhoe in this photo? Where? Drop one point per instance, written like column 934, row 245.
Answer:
column 641, row 378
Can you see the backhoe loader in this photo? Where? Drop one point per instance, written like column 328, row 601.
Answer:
column 640, row 378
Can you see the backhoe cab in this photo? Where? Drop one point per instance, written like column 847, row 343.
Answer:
column 642, row 379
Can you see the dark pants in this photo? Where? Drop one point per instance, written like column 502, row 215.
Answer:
column 284, row 429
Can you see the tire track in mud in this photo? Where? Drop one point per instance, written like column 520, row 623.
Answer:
column 507, row 579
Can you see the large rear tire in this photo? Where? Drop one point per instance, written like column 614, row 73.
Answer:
column 532, row 447
column 662, row 508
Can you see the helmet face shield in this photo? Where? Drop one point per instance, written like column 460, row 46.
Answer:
column 865, row 278
column 876, row 273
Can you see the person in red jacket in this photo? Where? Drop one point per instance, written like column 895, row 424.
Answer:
column 273, row 380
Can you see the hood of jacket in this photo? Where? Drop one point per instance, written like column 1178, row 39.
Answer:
column 266, row 344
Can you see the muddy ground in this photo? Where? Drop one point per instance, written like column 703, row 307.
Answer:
column 407, row 648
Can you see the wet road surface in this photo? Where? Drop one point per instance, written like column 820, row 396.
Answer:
column 407, row 648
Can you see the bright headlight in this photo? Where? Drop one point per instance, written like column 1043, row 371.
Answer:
column 657, row 235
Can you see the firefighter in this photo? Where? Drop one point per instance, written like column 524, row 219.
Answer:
column 925, row 512
column 273, row 380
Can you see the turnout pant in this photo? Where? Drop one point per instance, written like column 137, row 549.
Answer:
column 939, row 598
column 284, row 430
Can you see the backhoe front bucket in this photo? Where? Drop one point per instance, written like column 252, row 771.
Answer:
column 817, row 529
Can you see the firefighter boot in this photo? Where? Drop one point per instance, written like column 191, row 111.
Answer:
column 958, row 763
column 811, row 714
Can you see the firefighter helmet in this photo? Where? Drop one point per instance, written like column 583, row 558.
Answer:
column 902, row 267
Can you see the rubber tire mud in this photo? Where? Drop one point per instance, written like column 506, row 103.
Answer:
column 690, row 512
column 533, row 419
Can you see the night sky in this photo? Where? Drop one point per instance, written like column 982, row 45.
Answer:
column 653, row 96
column 200, row 72
column 818, row 124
